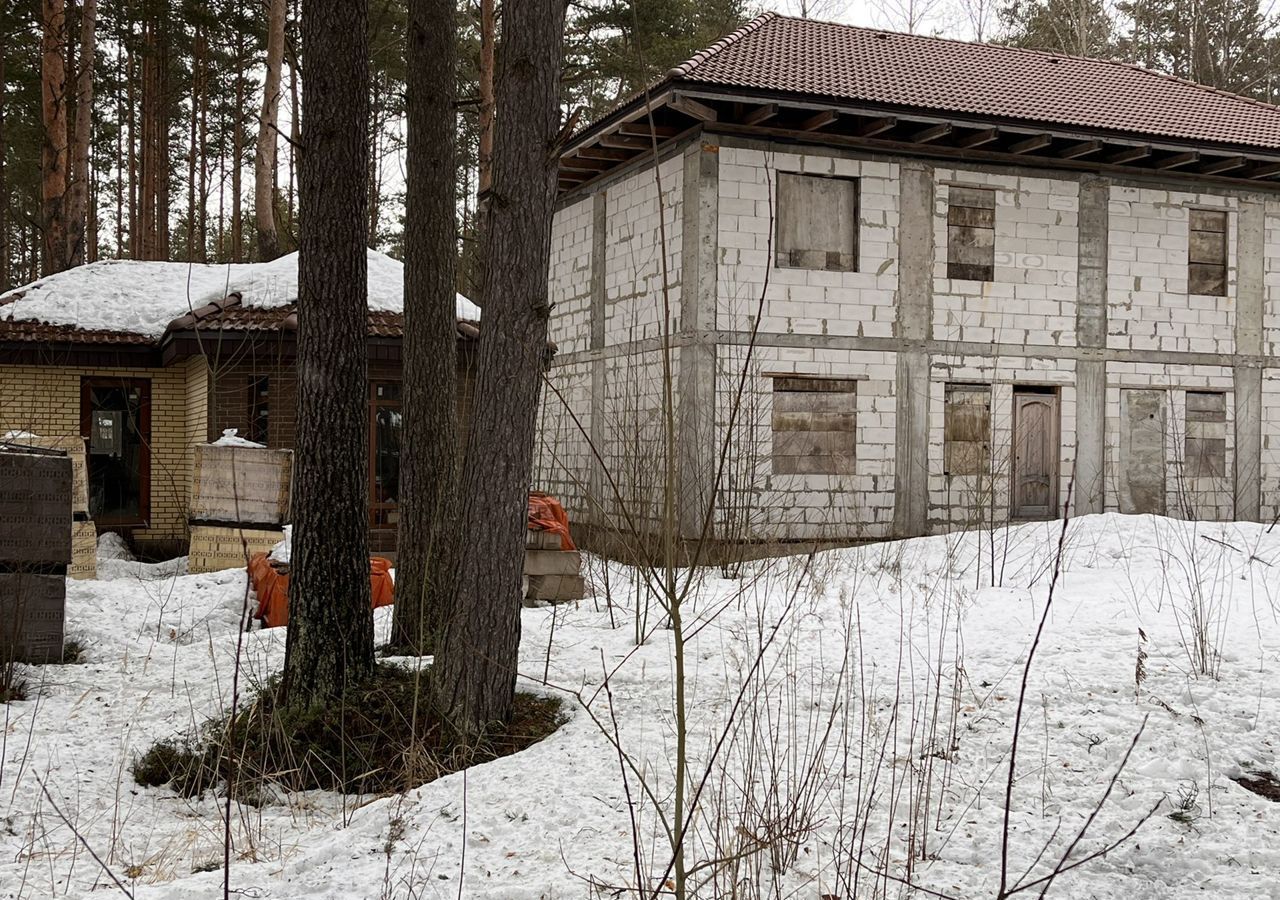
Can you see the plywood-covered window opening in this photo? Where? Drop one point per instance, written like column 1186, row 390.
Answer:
column 1205, row 444
column 967, row 430
column 814, row 425
column 1207, row 252
column 817, row 223
column 971, row 233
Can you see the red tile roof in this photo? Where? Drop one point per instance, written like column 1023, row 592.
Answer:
column 774, row 53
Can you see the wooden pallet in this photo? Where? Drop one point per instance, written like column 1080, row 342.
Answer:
column 217, row 547
column 248, row 485
column 84, row 551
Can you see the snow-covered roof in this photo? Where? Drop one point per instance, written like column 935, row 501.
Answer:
column 140, row 297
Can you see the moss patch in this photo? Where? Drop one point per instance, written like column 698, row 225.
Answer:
column 381, row 737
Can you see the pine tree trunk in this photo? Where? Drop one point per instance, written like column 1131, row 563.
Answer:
column 488, row 35
column 428, row 474
column 330, row 641
column 475, row 669
column 53, row 102
column 4, row 190
column 265, row 157
column 78, row 195
column 237, row 150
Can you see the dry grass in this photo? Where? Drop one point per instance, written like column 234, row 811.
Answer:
column 383, row 737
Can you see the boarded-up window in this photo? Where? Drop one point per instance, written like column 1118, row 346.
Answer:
column 967, row 430
column 1207, row 253
column 814, row 426
column 1205, row 450
column 971, row 233
column 817, row 223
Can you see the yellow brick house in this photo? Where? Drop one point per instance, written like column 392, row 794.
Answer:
column 144, row 360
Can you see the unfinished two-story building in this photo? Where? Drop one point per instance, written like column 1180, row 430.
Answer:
column 856, row 284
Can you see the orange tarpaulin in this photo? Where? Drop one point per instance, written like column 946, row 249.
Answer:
column 546, row 514
column 272, row 588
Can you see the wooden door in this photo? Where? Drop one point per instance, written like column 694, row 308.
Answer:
column 1035, row 455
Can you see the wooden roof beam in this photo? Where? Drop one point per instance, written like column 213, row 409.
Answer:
column 1032, row 144
column 602, row 153
column 819, row 120
column 623, row 142
column 692, row 108
column 1178, row 160
column 760, row 114
column 977, row 139
column 1223, row 165
column 876, row 126
column 1128, row 155
column 931, row 134
column 1266, row 170
column 1084, row 148
column 589, row 165
column 642, row 129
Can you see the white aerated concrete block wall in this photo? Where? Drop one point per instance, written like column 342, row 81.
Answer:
column 1032, row 299
column 1271, row 282
column 804, row 301
column 1148, row 304
column 563, row 459
column 570, row 277
column 633, row 253
column 755, row 504
column 1197, row 498
column 1270, row 445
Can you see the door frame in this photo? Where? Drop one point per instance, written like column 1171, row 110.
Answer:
column 87, row 383
column 1055, row 452
column 374, row 404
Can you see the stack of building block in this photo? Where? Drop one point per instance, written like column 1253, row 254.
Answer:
column 84, row 534
column 551, row 573
column 35, row 548
column 239, row 504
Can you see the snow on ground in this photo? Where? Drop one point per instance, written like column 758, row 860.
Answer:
column 144, row 297
column 845, row 725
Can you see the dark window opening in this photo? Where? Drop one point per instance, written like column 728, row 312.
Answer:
column 115, row 416
column 384, row 455
column 259, row 395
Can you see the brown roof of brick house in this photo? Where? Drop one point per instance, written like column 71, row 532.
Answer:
column 220, row 315
column 798, row 56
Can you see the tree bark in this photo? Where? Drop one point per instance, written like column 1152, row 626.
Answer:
column 475, row 669
column 428, row 473
column 53, row 102
column 265, row 158
column 237, row 148
column 330, row 640
column 78, row 194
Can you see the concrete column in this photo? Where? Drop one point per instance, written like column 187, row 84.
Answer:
column 914, row 326
column 696, row 378
column 1091, row 333
column 1250, row 293
column 599, row 501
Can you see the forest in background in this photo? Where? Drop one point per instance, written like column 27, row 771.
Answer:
column 166, row 129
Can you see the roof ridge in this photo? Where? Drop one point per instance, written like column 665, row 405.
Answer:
column 1025, row 51
column 686, row 67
